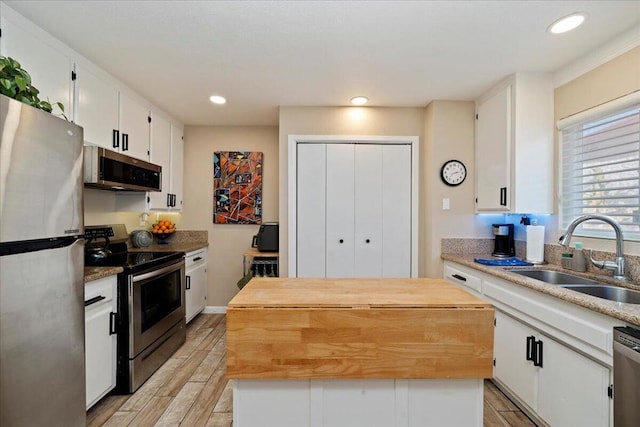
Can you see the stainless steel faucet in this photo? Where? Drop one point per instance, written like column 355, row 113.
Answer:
column 618, row 265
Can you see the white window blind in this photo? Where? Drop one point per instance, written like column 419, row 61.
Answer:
column 601, row 171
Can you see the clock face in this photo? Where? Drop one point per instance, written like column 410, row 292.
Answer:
column 453, row 172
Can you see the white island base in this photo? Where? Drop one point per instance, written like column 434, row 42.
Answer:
column 358, row 403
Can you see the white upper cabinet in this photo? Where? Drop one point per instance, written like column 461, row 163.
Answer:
column 50, row 69
column 177, row 166
column 97, row 107
column 111, row 114
column 134, row 127
column 160, row 154
column 514, row 146
column 111, row 117
column 166, row 150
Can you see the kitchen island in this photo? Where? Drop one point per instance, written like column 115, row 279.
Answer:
column 351, row 352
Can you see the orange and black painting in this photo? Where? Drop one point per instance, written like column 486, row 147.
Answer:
column 237, row 187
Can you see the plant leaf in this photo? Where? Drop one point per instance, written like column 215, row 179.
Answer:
column 44, row 105
column 6, row 83
column 21, row 83
column 25, row 75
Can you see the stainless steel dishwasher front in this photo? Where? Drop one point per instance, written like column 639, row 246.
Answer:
column 626, row 377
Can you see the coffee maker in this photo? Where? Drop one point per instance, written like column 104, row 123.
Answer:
column 504, row 244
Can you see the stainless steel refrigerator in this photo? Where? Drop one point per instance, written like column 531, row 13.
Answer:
column 42, row 380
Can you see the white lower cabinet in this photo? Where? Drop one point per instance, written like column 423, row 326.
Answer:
column 196, row 286
column 358, row 402
column 553, row 357
column 100, row 338
column 572, row 389
column 563, row 387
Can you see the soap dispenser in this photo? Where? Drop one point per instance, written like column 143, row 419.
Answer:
column 578, row 262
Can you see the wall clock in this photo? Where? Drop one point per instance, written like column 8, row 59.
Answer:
column 453, row 172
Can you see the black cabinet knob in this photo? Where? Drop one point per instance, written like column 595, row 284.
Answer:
column 341, row 240
column 367, row 241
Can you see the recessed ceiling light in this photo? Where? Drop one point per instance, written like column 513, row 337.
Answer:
column 217, row 99
column 359, row 100
column 567, row 23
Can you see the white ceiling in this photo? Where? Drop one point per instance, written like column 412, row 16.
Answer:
column 265, row 54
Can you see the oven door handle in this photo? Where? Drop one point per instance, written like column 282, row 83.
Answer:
column 160, row 272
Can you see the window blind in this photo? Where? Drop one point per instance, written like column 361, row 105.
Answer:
column 601, row 171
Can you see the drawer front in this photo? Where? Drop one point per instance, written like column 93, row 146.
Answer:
column 573, row 320
column 459, row 277
column 98, row 289
column 195, row 258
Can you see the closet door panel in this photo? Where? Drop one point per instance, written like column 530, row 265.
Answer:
column 311, row 219
column 396, row 211
column 368, row 210
column 340, row 210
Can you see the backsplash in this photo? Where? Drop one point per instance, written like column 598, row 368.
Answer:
column 552, row 254
column 99, row 209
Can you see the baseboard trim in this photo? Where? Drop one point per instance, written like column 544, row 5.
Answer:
column 215, row 309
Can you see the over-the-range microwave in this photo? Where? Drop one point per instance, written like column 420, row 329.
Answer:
column 109, row 170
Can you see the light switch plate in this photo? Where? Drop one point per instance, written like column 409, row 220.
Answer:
column 446, row 205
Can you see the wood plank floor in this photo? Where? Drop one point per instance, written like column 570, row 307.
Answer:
column 191, row 389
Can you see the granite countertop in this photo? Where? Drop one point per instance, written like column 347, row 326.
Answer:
column 627, row 312
column 95, row 273
column 180, row 241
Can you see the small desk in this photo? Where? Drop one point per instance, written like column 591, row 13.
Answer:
column 249, row 257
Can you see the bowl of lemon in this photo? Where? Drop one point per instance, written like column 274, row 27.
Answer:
column 162, row 230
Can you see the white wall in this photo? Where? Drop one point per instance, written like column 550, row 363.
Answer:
column 449, row 134
column 227, row 242
column 337, row 121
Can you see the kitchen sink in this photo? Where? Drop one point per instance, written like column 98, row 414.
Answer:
column 582, row 285
column 612, row 293
column 555, row 277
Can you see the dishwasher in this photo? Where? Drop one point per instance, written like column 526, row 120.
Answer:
column 626, row 376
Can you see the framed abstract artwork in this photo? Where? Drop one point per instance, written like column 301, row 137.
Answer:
column 237, row 187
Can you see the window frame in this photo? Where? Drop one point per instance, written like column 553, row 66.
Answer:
column 619, row 105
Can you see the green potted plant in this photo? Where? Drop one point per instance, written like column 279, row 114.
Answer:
column 15, row 82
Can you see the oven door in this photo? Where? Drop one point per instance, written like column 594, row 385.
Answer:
column 156, row 303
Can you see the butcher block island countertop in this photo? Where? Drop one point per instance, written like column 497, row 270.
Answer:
column 290, row 328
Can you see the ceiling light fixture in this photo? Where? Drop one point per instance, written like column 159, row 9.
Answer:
column 359, row 100
column 217, row 99
column 567, row 23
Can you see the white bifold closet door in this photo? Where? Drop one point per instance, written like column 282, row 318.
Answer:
column 354, row 210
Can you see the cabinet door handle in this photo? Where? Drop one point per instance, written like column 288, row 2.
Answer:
column 94, row 300
column 538, row 354
column 198, row 258
column 173, row 200
column 113, row 322
column 503, row 196
column 341, row 240
column 530, row 347
column 459, row 277
column 188, row 282
column 116, row 138
column 125, row 142
column 367, row 241
column 168, row 199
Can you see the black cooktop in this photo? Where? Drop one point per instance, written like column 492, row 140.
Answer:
column 106, row 247
column 130, row 260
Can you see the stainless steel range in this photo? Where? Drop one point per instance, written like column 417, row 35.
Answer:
column 151, row 297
